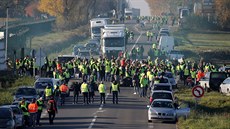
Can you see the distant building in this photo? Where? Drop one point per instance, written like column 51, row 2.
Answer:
column 208, row 8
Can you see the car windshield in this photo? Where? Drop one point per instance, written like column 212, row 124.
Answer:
column 162, row 104
column 5, row 113
column 42, row 85
column 162, row 87
column 26, row 91
column 84, row 54
column 164, row 80
column 97, row 30
column 114, row 42
column 16, row 110
column 162, row 95
column 168, row 75
column 219, row 75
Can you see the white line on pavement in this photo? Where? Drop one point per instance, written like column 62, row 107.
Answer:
column 95, row 113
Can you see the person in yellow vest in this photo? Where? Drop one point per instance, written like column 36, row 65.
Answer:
column 25, row 112
column 144, row 86
column 85, row 91
column 102, row 90
column 40, row 108
column 48, row 91
column 33, row 109
column 115, row 89
column 186, row 75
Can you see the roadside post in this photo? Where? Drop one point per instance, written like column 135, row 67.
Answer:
column 197, row 92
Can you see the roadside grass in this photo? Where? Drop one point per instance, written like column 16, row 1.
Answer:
column 196, row 44
column 6, row 93
column 212, row 111
column 56, row 43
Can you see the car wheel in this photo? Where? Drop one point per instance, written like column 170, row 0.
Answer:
column 220, row 90
column 149, row 121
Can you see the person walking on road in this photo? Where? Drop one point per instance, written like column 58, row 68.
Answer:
column 85, row 92
column 48, row 92
column 115, row 89
column 102, row 89
column 33, row 109
column 40, row 108
column 57, row 94
column 76, row 92
column 51, row 109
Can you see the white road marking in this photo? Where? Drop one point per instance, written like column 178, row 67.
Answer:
column 95, row 113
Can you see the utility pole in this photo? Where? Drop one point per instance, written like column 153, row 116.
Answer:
column 7, row 15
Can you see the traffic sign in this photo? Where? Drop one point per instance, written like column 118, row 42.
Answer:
column 198, row 91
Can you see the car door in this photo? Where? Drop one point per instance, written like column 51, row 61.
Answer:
column 224, row 86
column 183, row 110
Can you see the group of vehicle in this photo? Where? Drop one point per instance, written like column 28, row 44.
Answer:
column 217, row 81
column 166, row 44
column 163, row 104
column 11, row 116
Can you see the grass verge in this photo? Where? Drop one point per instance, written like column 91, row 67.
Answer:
column 212, row 111
column 6, row 93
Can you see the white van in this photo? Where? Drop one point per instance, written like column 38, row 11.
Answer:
column 166, row 43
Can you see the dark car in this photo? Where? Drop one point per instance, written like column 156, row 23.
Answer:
column 7, row 118
column 27, row 92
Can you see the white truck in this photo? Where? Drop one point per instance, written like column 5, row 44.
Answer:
column 95, row 26
column 166, row 44
column 113, row 40
column 131, row 13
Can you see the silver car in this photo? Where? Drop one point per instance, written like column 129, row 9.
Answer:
column 165, row 110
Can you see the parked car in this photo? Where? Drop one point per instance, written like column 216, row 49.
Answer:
column 165, row 110
column 7, row 118
column 19, row 119
column 175, row 55
column 161, row 94
column 27, row 92
column 225, row 86
column 212, row 80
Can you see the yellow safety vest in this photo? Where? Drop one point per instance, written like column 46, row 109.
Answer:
column 40, row 103
column 84, row 87
column 114, row 87
column 101, row 88
column 48, row 91
column 25, row 113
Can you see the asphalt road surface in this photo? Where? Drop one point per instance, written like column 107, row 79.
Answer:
column 129, row 113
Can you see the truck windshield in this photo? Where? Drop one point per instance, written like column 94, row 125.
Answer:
column 219, row 75
column 96, row 30
column 114, row 42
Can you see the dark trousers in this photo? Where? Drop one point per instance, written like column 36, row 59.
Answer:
column 115, row 97
column 102, row 97
column 26, row 119
column 63, row 95
column 33, row 117
column 91, row 96
column 85, row 96
column 39, row 113
column 75, row 97
column 51, row 116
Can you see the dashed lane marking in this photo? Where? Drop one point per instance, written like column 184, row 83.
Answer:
column 100, row 110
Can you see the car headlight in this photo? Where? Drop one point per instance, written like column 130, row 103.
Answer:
column 9, row 123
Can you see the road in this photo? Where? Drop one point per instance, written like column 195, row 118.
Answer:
column 130, row 113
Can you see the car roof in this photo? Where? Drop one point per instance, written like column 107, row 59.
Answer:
column 10, row 106
column 44, row 79
column 164, row 84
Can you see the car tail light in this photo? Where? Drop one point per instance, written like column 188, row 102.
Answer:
column 151, row 99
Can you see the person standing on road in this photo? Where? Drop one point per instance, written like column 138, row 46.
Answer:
column 26, row 113
column 57, row 94
column 63, row 89
column 115, row 89
column 51, row 109
column 91, row 92
column 33, row 109
column 48, row 92
column 76, row 92
column 40, row 108
column 102, row 89
column 85, row 92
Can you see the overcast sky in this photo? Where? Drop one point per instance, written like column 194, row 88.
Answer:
column 141, row 4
